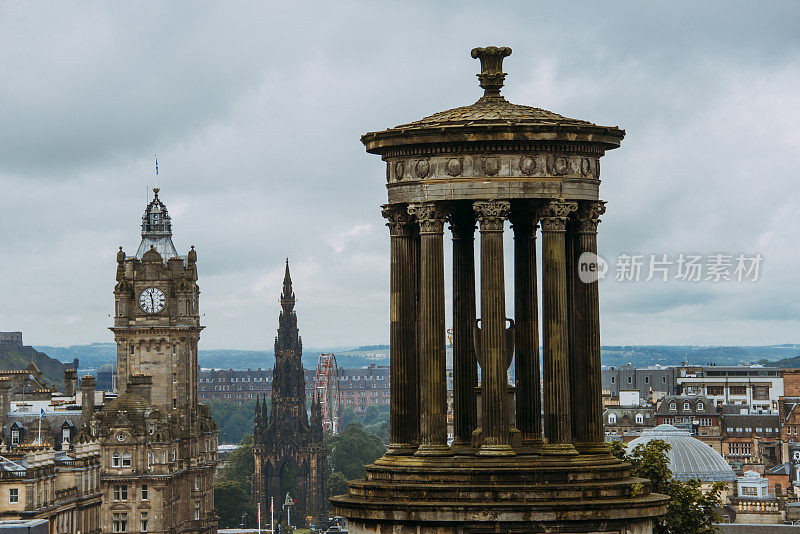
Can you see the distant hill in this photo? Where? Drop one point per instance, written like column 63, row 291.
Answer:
column 640, row 355
column 96, row 354
column 15, row 358
column 788, row 355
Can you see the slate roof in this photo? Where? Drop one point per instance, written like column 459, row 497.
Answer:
column 494, row 109
column 694, row 402
column 689, row 458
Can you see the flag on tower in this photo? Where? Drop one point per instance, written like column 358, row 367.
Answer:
column 156, row 165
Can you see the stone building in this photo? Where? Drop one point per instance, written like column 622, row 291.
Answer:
column 624, row 423
column 288, row 449
column 359, row 387
column 158, row 442
column 509, row 470
column 63, row 487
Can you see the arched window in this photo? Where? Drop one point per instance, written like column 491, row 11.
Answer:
column 673, row 406
column 612, row 419
column 687, row 406
column 700, row 407
column 639, row 419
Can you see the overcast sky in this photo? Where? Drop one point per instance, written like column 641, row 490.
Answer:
column 255, row 111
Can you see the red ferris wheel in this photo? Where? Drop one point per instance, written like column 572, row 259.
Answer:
column 326, row 391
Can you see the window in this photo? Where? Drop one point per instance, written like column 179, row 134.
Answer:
column 639, row 419
column 144, row 492
column 750, row 492
column 738, row 390
column 174, row 403
column 663, row 379
column 13, row 495
column 700, row 407
column 196, row 510
column 143, row 526
column 65, row 435
column 173, row 455
column 715, row 390
column 647, row 380
column 15, row 437
column 761, row 393
column 119, row 522
column 686, row 406
column 131, row 349
column 121, row 493
column 115, row 459
column 174, row 378
column 673, row 406
column 630, row 380
column 613, row 379
column 197, row 483
column 126, row 459
column 612, row 418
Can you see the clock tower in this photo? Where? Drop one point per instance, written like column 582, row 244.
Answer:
column 156, row 319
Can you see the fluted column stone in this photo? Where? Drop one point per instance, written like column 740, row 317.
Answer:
column 524, row 221
column 557, row 425
column 587, row 397
column 404, row 367
column 465, row 365
column 493, row 351
column 433, row 375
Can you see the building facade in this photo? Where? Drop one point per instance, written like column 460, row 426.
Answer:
column 651, row 382
column 288, row 447
column 757, row 387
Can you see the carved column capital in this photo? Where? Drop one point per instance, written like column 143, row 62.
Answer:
column 492, row 214
column 429, row 215
column 524, row 219
column 554, row 214
column 588, row 216
column 399, row 220
column 462, row 223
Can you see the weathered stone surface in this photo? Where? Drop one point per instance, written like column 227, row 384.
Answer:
column 486, row 163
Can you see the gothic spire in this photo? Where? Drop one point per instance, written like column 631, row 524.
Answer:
column 287, row 296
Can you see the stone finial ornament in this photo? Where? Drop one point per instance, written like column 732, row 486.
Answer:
column 492, row 75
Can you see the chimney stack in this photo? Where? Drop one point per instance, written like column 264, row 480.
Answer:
column 140, row 385
column 70, row 379
column 87, row 399
column 5, row 400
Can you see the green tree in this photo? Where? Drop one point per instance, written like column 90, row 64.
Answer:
column 350, row 450
column 690, row 510
column 233, row 488
column 337, row 484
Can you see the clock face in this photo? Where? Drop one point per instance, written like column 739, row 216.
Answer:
column 152, row 300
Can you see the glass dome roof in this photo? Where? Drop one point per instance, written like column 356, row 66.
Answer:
column 689, row 458
column 157, row 230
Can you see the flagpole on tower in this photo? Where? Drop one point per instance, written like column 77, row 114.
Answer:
column 156, row 178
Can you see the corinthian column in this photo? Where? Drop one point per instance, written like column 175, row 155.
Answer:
column 558, row 431
column 524, row 221
column 404, row 370
column 493, row 352
column 433, row 378
column 465, row 366
column 587, row 399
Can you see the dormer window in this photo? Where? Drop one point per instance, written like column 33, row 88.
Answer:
column 673, row 407
column 686, row 406
column 612, row 419
column 65, row 435
column 15, row 437
column 700, row 407
column 639, row 419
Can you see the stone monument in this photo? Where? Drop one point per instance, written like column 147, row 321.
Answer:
column 508, row 469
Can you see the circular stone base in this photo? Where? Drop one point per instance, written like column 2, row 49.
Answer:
column 584, row 493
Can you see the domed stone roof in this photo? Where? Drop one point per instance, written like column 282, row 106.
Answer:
column 493, row 117
column 135, row 409
column 689, row 458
